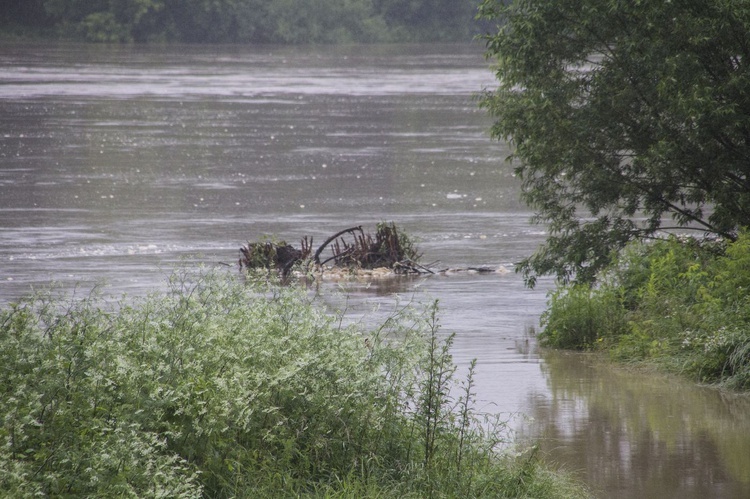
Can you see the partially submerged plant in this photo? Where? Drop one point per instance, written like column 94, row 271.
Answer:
column 389, row 248
column 349, row 249
column 274, row 255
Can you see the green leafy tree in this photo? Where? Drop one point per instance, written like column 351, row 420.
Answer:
column 327, row 21
column 106, row 20
column 623, row 115
column 215, row 21
column 430, row 19
column 244, row 21
column 26, row 13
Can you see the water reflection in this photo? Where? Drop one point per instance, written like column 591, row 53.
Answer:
column 637, row 434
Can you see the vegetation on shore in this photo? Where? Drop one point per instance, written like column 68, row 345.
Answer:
column 632, row 121
column 224, row 388
column 244, row 21
column 681, row 304
column 628, row 122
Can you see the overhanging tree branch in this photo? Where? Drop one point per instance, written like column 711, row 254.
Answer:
column 656, row 123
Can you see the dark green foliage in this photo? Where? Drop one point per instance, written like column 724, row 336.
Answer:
column 223, row 389
column 249, row 21
column 622, row 115
column 429, row 20
column 681, row 303
column 25, row 13
column 273, row 255
column 578, row 317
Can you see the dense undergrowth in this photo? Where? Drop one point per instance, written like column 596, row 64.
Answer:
column 681, row 304
column 222, row 388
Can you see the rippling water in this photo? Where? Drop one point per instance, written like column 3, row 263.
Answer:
column 116, row 163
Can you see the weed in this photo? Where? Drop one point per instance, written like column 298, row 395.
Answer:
column 226, row 388
column 682, row 303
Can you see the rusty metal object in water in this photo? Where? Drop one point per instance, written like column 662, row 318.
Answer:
column 350, row 249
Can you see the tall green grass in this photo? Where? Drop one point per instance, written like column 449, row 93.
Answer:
column 679, row 303
column 222, row 388
column 579, row 316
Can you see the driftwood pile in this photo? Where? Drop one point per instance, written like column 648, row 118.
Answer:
column 351, row 249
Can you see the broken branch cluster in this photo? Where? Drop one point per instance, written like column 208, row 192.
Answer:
column 351, row 248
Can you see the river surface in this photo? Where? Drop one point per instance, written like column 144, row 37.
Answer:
column 117, row 163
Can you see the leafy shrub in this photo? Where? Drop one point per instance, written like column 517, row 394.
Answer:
column 578, row 316
column 222, row 389
column 69, row 426
column 720, row 354
column 103, row 27
column 730, row 284
column 670, row 269
column 686, row 304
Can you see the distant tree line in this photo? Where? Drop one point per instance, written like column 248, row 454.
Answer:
column 242, row 21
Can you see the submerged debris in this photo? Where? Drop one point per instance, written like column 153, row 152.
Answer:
column 352, row 249
column 274, row 255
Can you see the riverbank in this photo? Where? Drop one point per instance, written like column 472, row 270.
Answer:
column 224, row 388
column 680, row 304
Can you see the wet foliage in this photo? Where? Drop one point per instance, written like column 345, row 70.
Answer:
column 681, row 303
column 615, row 139
column 273, row 255
column 223, row 387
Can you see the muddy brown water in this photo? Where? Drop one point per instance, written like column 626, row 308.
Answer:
column 116, row 163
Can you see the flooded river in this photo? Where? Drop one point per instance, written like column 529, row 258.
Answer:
column 116, row 163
